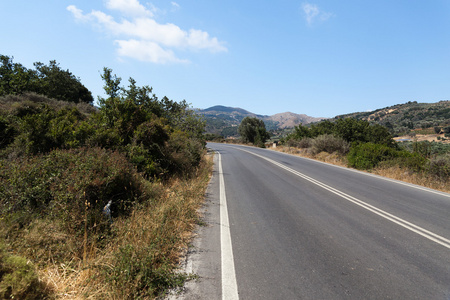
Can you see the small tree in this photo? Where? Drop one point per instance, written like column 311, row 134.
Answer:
column 447, row 131
column 253, row 130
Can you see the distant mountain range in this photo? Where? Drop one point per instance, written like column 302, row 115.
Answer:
column 398, row 118
column 225, row 120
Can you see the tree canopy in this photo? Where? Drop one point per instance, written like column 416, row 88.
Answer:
column 49, row 80
column 253, row 130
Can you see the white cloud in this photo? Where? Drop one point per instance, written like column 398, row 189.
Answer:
column 147, row 51
column 313, row 13
column 142, row 38
column 175, row 5
column 130, row 8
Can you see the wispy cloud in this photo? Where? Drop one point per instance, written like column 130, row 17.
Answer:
column 175, row 5
column 313, row 13
column 142, row 38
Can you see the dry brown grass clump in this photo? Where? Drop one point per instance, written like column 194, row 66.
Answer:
column 418, row 178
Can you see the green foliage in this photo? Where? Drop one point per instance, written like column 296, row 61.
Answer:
column 229, row 131
column 18, row 278
column 321, row 128
column 447, row 131
column 426, row 148
column 253, row 130
column 132, row 121
column 7, row 132
column 61, row 84
column 213, row 137
column 71, row 187
column 350, row 130
column 402, row 118
column 15, row 78
column 49, row 80
column 300, row 132
column 160, row 137
column 369, row 155
column 142, row 272
column 38, row 127
column 61, row 163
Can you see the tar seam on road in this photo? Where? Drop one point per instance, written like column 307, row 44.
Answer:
column 229, row 284
column 412, row 227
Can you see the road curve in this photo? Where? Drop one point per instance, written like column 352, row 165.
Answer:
column 301, row 229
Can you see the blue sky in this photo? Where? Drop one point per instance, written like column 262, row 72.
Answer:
column 321, row 58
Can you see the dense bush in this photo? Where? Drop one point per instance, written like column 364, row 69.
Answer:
column 350, row 130
column 71, row 176
column 367, row 156
column 161, row 137
column 70, row 187
column 37, row 124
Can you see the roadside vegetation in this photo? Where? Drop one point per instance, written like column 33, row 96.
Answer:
column 253, row 131
column 370, row 147
column 409, row 118
column 96, row 202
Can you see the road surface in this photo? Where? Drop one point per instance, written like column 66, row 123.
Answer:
column 284, row 227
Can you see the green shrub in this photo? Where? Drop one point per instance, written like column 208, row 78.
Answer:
column 367, row 156
column 185, row 153
column 142, row 272
column 18, row 278
column 330, row 144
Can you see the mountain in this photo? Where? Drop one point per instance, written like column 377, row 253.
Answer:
column 225, row 120
column 289, row 120
column 402, row 118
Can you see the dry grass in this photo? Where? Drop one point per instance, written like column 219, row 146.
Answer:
column 332, row 158
column 401, row 174
column 158, row 233
column 396, row 172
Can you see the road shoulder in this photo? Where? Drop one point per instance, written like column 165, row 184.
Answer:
column 203, row 256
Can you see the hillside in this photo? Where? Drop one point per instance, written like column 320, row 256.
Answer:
column 225, row 120
column 402, row 118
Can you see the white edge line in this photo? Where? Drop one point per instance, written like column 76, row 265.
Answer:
column 359, row 172
column 410, row 226
column 229, row 284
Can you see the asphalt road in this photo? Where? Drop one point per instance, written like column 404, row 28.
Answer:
column 302, row 229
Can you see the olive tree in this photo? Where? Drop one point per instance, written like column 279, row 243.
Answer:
column 253, row 130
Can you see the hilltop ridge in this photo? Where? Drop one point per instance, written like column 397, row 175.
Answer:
column 401, row 118
column 224, row 120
